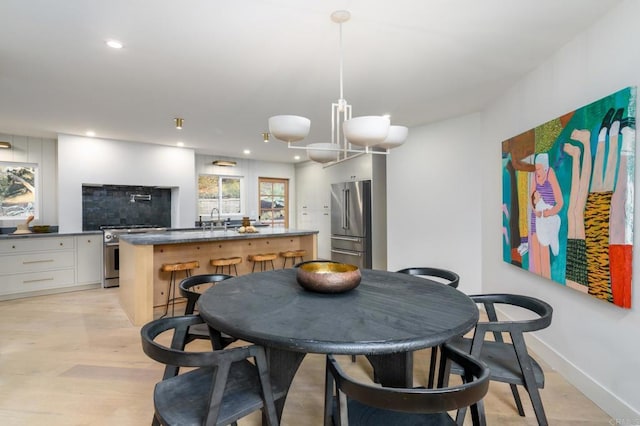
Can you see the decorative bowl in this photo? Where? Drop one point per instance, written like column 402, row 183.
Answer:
column 41, row 228
column 328, row 277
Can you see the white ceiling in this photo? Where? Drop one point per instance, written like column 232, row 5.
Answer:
column 226, row 66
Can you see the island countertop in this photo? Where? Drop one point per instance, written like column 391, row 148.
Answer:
column 197, row 236
column 144, row 290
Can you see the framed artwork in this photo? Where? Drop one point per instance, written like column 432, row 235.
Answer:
column 18, row 190
column 567, row 191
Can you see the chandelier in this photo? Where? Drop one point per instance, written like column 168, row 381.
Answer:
column 350, row 136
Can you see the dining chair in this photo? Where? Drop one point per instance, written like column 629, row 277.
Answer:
column 509, row 361
column 444, row 276
column 224, row 386
column 191, row 288
column 357, row 403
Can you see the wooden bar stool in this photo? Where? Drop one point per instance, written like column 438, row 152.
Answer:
column 263, row 258
column 174, row 268
column 228, row 262
column 293, row 255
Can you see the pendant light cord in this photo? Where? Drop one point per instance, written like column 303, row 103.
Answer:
column 341, row 101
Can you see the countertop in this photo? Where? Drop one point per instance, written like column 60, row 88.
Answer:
column 48, row 234
column 177, row 237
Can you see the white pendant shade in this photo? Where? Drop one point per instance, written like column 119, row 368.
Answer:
column 323, row 152
column 367, row 130
column 396, row 137
column 289, row 128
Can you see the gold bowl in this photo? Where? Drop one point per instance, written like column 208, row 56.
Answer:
column 328, row 277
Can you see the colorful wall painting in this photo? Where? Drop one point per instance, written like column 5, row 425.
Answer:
column 567, row 191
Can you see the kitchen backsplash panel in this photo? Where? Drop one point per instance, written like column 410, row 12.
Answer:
column 117, row 205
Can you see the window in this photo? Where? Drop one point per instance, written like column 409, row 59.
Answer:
column 274, row 201
column 219, row 195
column 18, row 190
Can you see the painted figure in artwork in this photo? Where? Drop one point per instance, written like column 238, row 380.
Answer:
column 599, row 207
column 546, row 184
column 547, row 225
column 518, row 149
column 576, row 269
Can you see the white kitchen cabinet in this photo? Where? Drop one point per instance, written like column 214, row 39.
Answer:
column 34, row 264
column 314, row 205
column 43, row 264
column 89, row 259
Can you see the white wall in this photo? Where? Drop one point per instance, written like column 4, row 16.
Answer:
column 433, row 198
column 83, row 160
column 592, row 343
column 444, row 208
column 41, row 151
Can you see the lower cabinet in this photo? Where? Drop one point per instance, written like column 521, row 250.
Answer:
column 48, row 264
column 89, row 259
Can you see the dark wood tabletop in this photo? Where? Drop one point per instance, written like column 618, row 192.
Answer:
column 385, row 318
column 387, row 313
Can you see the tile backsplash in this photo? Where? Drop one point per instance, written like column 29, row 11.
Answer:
column 116, row 205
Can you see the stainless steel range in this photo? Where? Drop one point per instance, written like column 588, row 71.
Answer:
column 111, row 241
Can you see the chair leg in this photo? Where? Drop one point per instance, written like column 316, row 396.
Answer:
column 516, row 398
column 538, row 408
column 432, row 367
column 529, row 379
column 328, row 394
column 169, row 298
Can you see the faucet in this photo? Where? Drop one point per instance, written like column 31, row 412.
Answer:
column 218, row 211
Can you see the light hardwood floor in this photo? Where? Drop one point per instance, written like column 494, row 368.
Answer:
column 74, row 359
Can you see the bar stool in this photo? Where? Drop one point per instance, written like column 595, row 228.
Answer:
column 293, row 255
column 174, row 268
column 228, row 262
column 263, row 258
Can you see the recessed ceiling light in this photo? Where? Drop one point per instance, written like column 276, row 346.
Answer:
column 90, row 133
column 180, row 144
column 297, row 157
column 247, row 151
column 114, row 44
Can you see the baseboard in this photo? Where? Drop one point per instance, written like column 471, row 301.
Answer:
column 48, row 291
column 620, row 412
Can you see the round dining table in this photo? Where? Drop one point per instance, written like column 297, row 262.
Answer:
column 386, row 317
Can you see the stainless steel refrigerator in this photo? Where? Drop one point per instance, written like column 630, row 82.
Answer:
column 351, row 223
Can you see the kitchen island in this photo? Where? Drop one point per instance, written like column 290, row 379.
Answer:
column 144, row 288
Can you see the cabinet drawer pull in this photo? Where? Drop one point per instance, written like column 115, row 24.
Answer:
column 37, row 261
column 35, row 281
